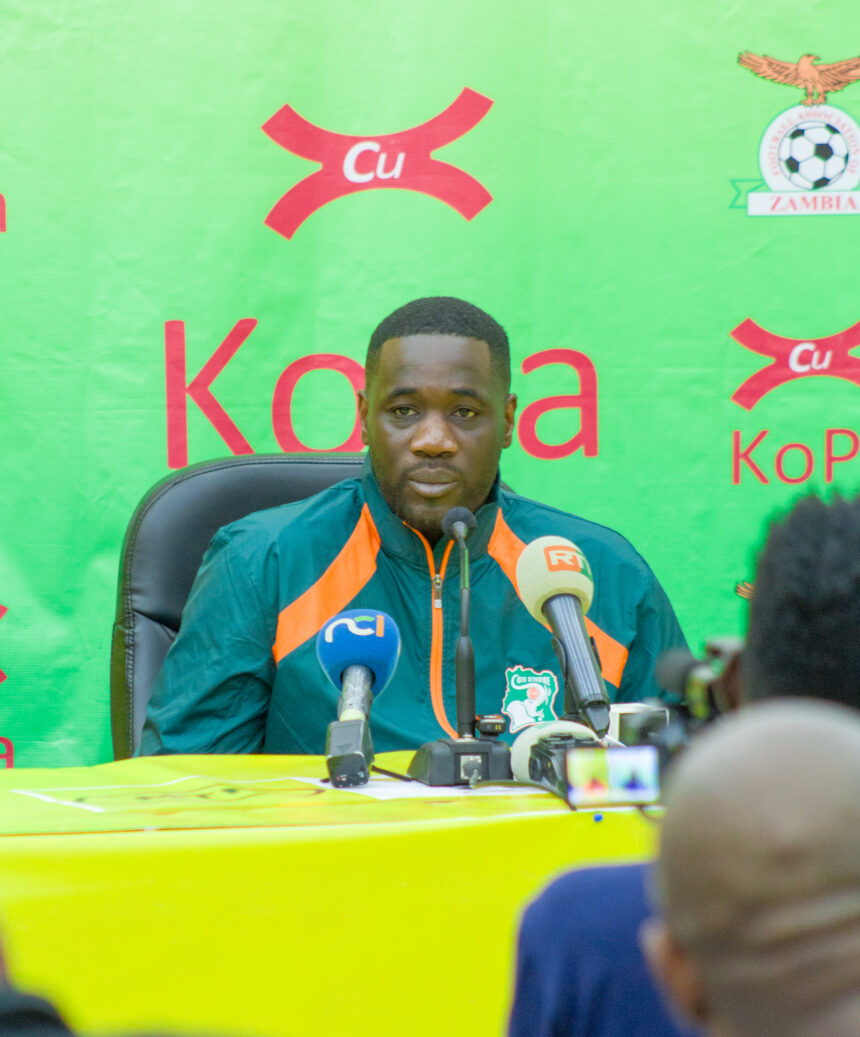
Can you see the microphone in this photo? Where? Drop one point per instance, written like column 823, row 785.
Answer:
column 458, row 523
column 555, row 584
column 358, row 651
column 465, row 759
column 539, row 754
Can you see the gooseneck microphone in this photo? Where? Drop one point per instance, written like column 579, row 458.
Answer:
column 358, row 651
column 459, row 523
column 465, row 759
column 555, row 584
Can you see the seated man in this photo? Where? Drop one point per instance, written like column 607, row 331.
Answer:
column 436, row 412
column 759, row 875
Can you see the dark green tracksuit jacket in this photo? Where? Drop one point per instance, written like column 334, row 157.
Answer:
column 243, row 676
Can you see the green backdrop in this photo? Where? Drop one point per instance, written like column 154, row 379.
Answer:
column 136, row 181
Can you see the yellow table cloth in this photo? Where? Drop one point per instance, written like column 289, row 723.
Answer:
column 241, row 895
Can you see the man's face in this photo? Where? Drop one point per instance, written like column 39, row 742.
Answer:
column 436, row 418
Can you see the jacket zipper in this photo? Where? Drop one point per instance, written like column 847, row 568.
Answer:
column 436, row 632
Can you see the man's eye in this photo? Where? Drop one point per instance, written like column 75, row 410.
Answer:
column 403, row 411
column 466, row 412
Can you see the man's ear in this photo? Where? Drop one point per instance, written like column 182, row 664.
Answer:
column 362, row 414
column 674, row 970
column 510, row 411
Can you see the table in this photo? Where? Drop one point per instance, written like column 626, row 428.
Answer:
column 239, row 895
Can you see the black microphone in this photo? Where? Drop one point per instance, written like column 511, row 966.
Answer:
column 466, row 758
column 555, row 584
column 459, row 523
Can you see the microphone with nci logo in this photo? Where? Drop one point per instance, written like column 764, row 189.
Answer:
column 358, row 650
column 555, row 584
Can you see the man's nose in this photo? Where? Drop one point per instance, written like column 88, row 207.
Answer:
column 433, row 436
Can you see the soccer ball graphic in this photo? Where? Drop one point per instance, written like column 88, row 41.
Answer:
column 813, row 155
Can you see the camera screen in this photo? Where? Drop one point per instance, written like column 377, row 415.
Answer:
column 613, row 776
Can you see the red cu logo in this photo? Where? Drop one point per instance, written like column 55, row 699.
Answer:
column 793, row 358
column 402, row 160
column 561, row 557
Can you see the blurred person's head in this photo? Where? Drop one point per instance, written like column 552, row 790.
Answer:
column 758, row 879
column 804, row 625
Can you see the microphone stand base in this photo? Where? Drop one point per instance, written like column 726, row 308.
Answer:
column 461, row 761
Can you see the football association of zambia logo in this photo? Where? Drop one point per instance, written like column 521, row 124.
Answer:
column 529, row 696
column 809, row 155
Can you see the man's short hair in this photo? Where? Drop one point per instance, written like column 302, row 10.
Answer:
column 758, row 875
column 804, row 627
column 443, row 315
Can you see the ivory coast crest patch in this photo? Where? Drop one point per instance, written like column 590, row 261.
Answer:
column 529, row 696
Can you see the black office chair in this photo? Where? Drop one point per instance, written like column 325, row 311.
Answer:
column 162, row 550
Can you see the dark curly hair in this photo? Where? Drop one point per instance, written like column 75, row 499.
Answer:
column 804, row 626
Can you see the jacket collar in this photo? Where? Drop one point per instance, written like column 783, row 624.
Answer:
column 398, row 539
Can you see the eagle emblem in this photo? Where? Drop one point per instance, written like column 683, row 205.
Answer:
column 817, row 80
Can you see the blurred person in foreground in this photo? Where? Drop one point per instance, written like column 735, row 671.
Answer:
column 580, row 971
column 758, row 876
column 804, row 625
column 22, row 1013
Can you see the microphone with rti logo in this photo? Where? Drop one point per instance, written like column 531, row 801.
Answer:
column 555, row 584
column 358, row 650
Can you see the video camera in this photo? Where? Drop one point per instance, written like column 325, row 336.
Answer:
column 703, row 689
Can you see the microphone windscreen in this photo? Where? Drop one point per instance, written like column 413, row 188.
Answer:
column 364, row 637
column 522, row 744
column 453, row 515
column 549, row 566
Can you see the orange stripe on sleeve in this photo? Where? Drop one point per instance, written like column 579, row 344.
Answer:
column 505, row 548
column 338, row 585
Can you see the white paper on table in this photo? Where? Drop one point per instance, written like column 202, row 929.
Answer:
column 380, row 787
